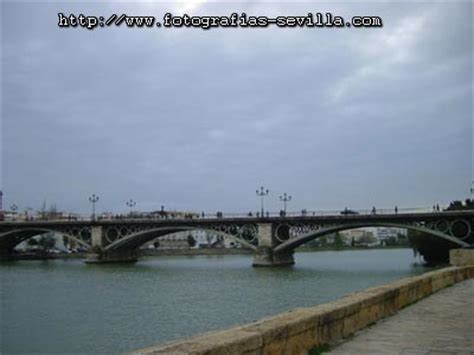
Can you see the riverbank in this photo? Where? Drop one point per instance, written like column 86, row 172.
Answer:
column 200, row 251
column 43, row 256
column 183, row 252
column 142, row 253
column 304, row 329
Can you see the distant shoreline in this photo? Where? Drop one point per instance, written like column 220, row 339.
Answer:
column 314, row 249
column 185, row 252
column 199, row 251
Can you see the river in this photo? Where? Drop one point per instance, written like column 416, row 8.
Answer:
column 65, row 306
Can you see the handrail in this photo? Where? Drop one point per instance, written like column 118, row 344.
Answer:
column 228, row 215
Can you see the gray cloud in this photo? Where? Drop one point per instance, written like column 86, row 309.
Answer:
column 198, row 119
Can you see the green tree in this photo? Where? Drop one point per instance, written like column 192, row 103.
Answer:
column 191, row 241
column 32, row 242
column 47, row 242
column 338, row 241
column 402, row 239
column 391, row 241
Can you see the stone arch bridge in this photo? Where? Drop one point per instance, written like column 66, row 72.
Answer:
column 273, row 240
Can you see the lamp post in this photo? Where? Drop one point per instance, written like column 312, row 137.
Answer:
column 93, row 199
column 130, row 203
column 262, row 193
column 285, row 198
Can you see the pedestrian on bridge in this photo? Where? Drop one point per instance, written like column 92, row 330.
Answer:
column 396, row 209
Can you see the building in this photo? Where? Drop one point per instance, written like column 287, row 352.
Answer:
column 360, row 236
column 385, row 233
column 191, row 239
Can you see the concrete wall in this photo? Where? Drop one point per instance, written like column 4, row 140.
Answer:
column 299, row 330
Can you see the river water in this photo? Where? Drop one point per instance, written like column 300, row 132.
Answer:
column 65, row 306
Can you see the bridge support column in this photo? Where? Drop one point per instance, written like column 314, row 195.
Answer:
column 97, row 237
column 265, row 256
column 7, row 255
column 97, row 254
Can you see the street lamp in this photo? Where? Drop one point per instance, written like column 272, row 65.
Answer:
column 130, row 203
column 285, row 198
column 262, row 193
column 93, row 199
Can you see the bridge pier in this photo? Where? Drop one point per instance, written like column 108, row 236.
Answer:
column 264, row 255
column 98, row 255
column 7, row 255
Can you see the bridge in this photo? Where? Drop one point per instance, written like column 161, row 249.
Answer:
column 273, row 239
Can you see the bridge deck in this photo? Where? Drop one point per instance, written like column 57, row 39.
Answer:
column 440, row 324
column 245, row 219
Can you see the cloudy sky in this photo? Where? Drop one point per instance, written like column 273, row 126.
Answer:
column 197, row 120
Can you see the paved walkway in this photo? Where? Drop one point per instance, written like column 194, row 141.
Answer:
column 443, row 323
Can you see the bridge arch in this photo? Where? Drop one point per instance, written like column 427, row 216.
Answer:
column 135, row 240
column 10, row 239
column 291, row 244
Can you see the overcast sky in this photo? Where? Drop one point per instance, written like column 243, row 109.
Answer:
column 198, row 120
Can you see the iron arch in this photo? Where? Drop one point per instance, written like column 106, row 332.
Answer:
column 12, row 238
column 295, row 242
column 134, row 240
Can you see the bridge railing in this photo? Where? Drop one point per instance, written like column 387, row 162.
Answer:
column 217, row 215
column 309, row 213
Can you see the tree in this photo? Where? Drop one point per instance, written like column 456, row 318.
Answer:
column 191, row 241
column 32, row 242
column 391, row 241
column 47, row 242
column 324, row 241
column 209, row 239
column 402, row 239
column 338, row 242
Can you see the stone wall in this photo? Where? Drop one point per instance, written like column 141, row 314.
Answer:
column 461, row 257
column 297, row 331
